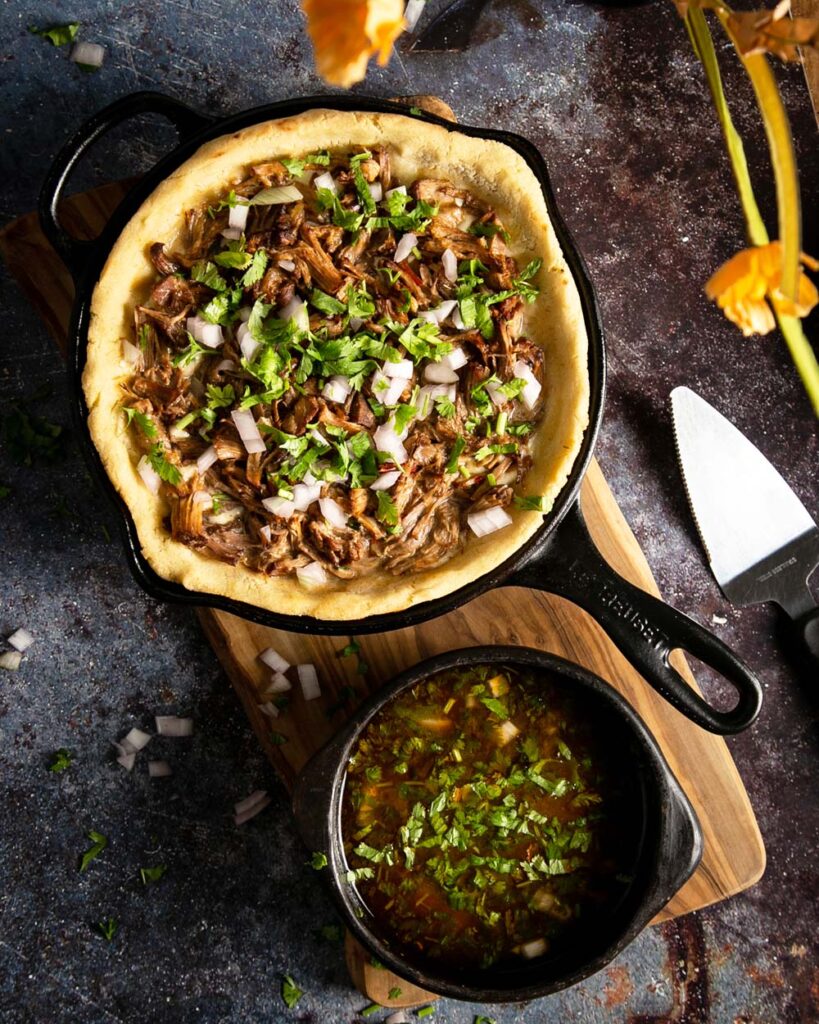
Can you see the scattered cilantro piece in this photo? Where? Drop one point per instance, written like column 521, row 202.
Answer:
column 107, row 928
column 395, row 993
column 362, row 668
column 164, row 470
column 57, row 35
column 325, row 303
column 353, row 647
column 60, row 760
column 277, row 739
column 416, row 111
column 143, row 336
column 387, row 512
column 291, row 993
column 497, row 707
column 331, row 933
column 206, row 273
column 445, row 407
column 532, row 503
column 318, row 861
column 99, row 842
column 145, row 423
column 152, row 874
column 457, row 448
column 425, row 1011
column 231, row 259
column 256, row 270
column 191, row 353
column 484, row 1020
column 402, row 415
column 363, row 189
column 368, row 1011
column 28, row 438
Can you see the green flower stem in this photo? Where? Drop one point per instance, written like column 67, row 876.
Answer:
column 802, row 354
column 703, row 44
column 783, row 160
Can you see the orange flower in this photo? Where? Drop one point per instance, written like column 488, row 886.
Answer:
column 346, row 33
column 742, row 285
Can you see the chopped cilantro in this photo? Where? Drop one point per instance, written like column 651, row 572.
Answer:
column 145, row 423
column 206, row 273
column 60, row 760
column 533, row 503
column 425, row 1011
column 455, row 454
column 291, row 993
column 353, row 647
column 497, row 707
column 232, row 259
column 277, row 739
column 326, row 303
column 153, row 874
column 401, row 417
column 368, row 1011
column 191, row 353
column 57, row 35
column 99, row 842
column 255, row 272
column 363, row 189
column 445, row 407
column 318, row 861
column 395, row 993
column 387, row 512
column 164, row 470
column 144, row 336
column 107, row 928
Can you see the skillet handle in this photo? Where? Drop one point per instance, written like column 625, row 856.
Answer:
column 73, row 251
column 644, row 628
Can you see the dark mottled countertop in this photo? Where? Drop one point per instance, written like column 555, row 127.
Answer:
column 616, row 102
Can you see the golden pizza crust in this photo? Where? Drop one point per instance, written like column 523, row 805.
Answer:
column 493, row 172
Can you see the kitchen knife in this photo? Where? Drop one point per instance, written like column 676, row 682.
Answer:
column 760, row 540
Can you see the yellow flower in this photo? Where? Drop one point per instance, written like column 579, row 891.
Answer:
column 346, row 33
column 743, row 284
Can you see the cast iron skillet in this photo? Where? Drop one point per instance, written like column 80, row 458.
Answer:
column 662, row 838
column 563, row 562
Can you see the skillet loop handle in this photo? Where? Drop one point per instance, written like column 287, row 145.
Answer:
column 644, row 628
column 73, row 251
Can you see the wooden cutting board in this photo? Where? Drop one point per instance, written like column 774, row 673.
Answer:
column 734, row 856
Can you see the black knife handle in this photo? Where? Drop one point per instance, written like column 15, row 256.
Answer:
column 807, row 631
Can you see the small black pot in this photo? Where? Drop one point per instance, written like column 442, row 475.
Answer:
column 666, row 836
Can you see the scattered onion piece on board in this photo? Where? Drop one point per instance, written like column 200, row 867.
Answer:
column 251, row 806
column 10, row 660
column 127, row 761
column 172, row 725
column 273, row 660
column 88, row 55
column 21, row 640
column 269, row 709
column 279, row 683
column 133, row 741
column 159, row 769
column 308, row 677
column 250, row 801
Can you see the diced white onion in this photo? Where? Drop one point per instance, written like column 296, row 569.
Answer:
column 276, row 195
column 311, row 573
column 273, row 660
column 172, row 725
column 459, row 202
column 279, row 683
column 386, row 440
column 225, row 364
column 296, row 310
column 264, row 532
column 439, row 313
column 250, row 801
column 467, row 221
column 90, row 54
column 488, row 520
column 333, row 512
column 336, row 389
column 287, row 265
column 427, row 396
column 203, row 497
column 438, row 373
column 405, row 246
column 385, row 481
column 210, row 335
column 248, row 431
column 10, row 660
column 134, row 741
column 237, row 217
column 457, row 320
column 506, row 732
column 403, row 369
column 376, row 191
column 356, row 322
column 449, row 261
column 127, row 761
column 232, row 234
column 279, row 506
column 455, row 359
column 149, row 475
column 194, row 325
column 304, row 495
column 308, row 677
column 21, row 639
column 412, row 12
column 247, row 342
column 245, row 313
column 531, row 390
column 206, row 459
column 130, row 353
column 402, row 189
column 326, row 180
column 493, row 389
column 251, row 812
column 534, row 948
column 159, row 769
column 309, row 478
column 387, row 390
column 269, row 709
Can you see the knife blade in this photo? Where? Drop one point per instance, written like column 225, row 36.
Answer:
column 761, row 542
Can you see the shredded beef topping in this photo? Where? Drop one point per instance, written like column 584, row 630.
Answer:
column 330, row 374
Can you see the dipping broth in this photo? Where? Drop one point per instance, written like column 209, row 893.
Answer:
column 482, row 818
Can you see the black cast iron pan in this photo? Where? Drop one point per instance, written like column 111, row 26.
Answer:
column 563, row 561
column 661, row 838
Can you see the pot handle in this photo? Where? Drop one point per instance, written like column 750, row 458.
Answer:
column 644, row 628
column 74, row 251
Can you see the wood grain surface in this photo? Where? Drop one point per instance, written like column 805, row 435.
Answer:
column 734, row 855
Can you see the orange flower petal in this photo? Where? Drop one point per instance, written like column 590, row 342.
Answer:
column 346, row 33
